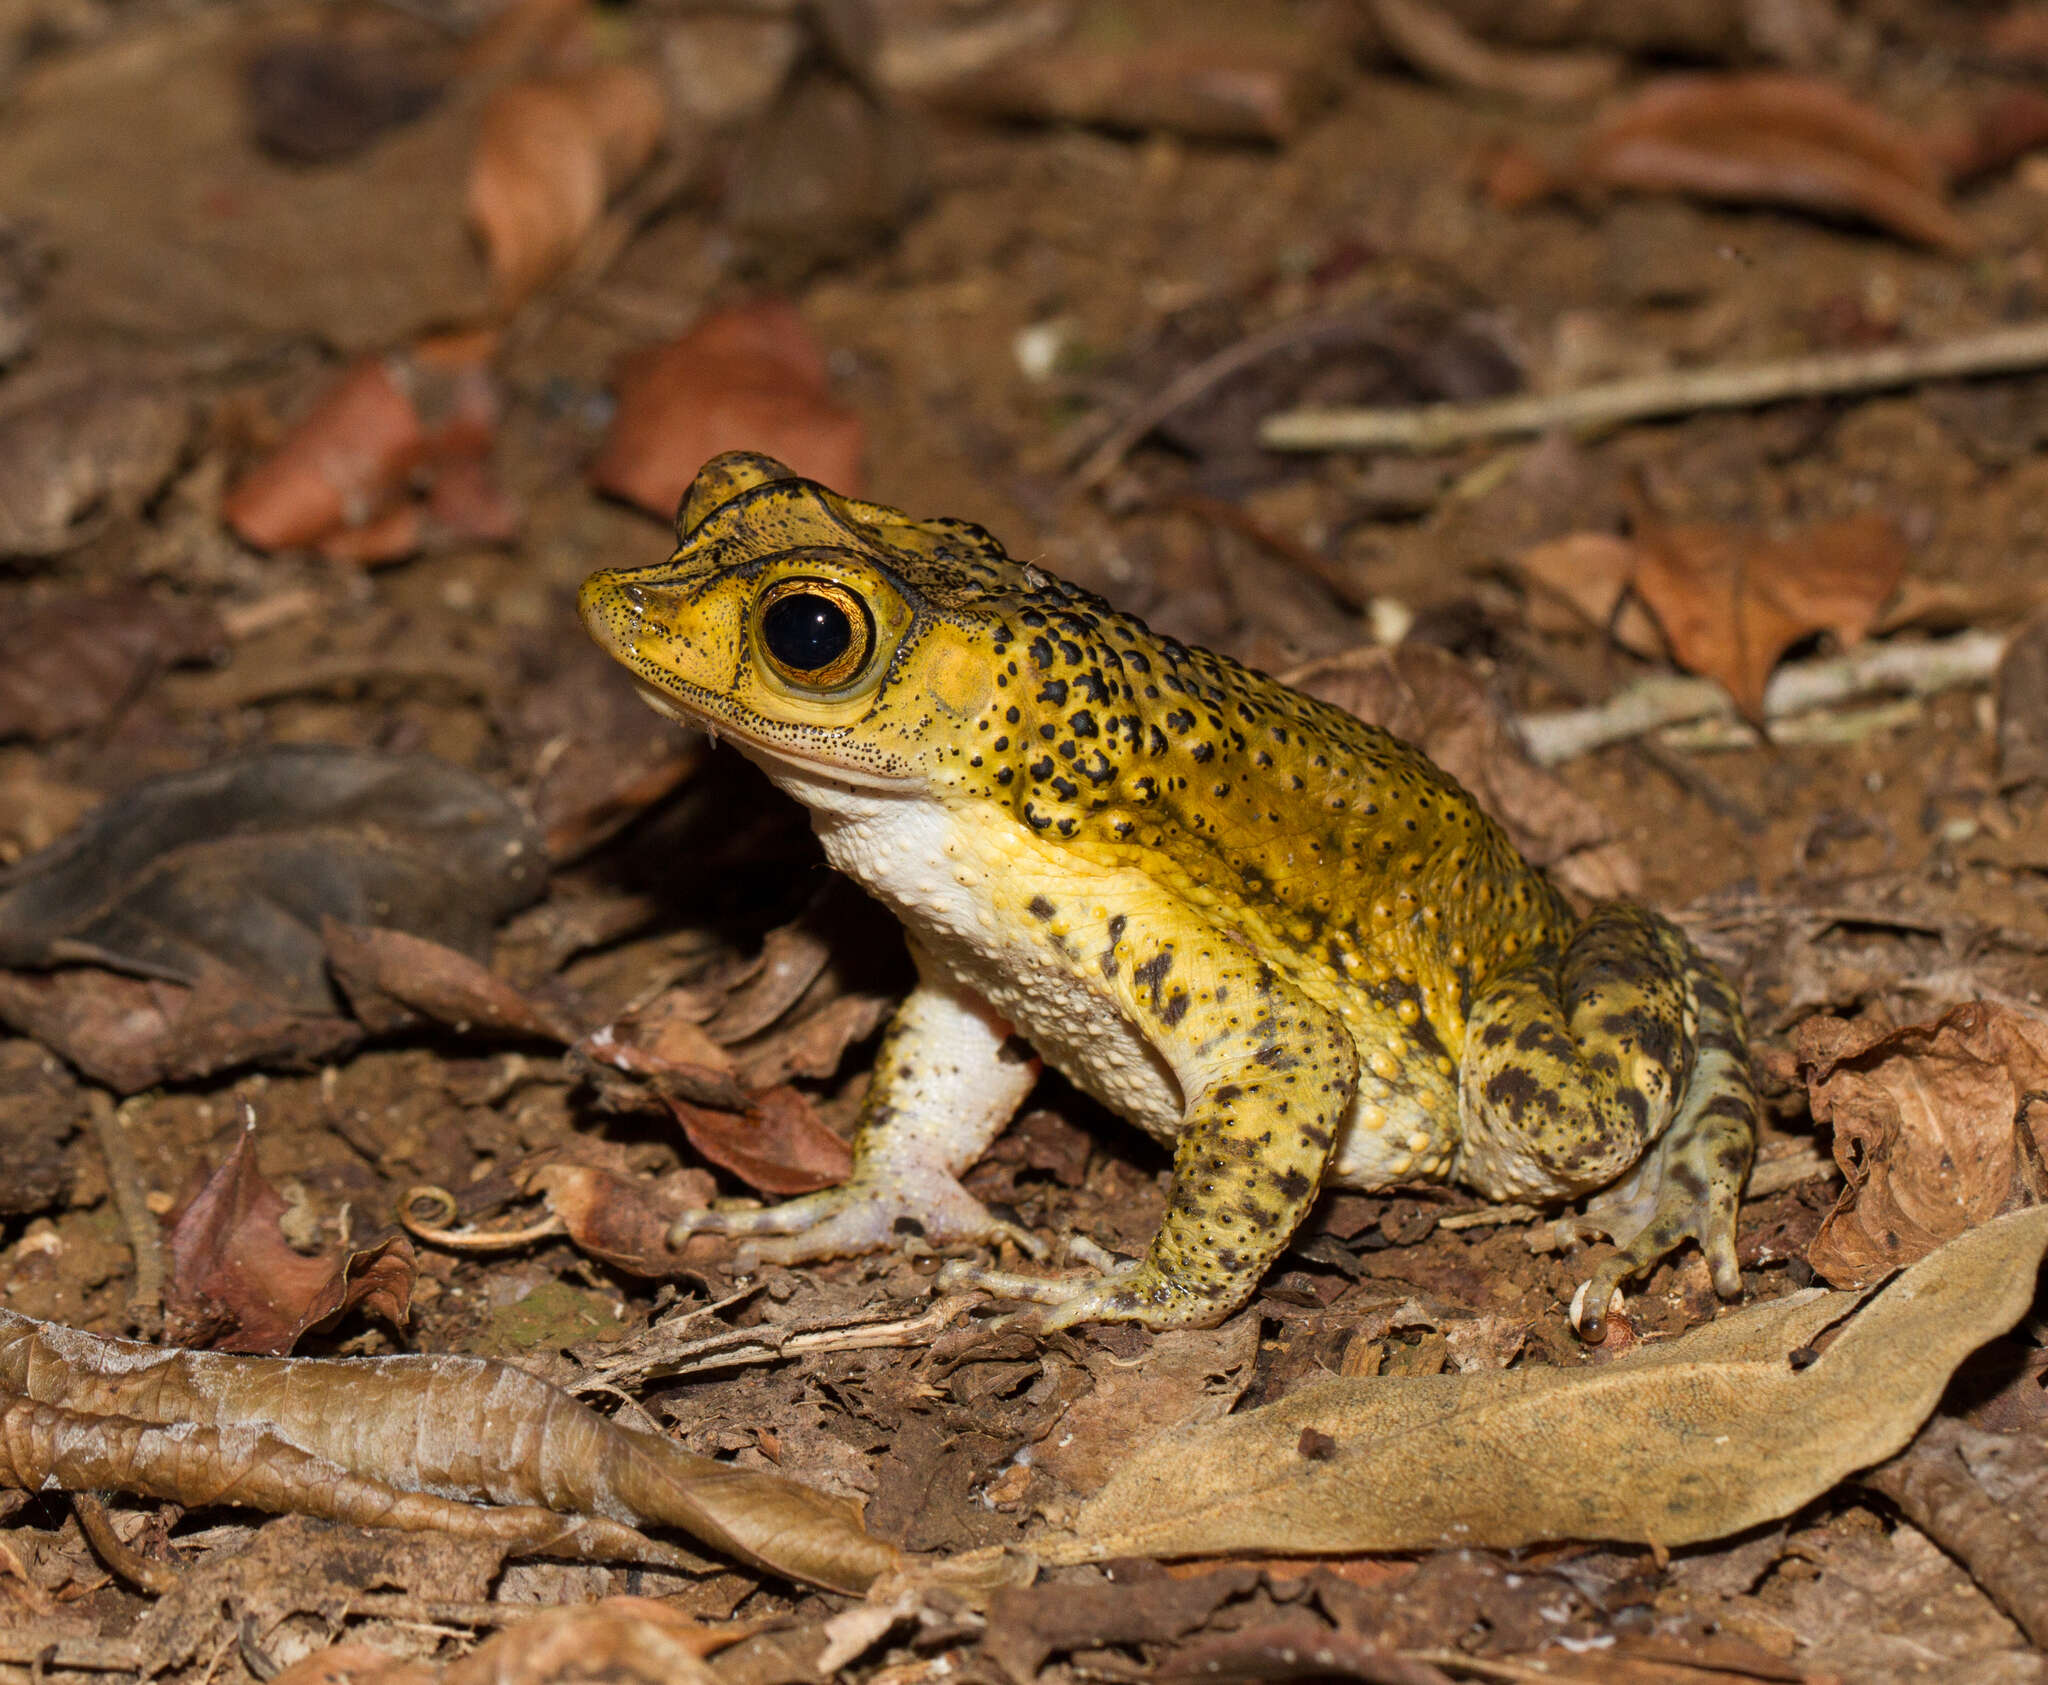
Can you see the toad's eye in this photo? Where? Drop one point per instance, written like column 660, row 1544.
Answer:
column 816, row 632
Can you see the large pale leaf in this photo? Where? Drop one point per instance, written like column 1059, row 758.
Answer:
column 1676, row 1443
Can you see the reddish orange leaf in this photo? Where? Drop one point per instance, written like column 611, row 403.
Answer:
column 781, row 1146
column 1732, row 602
column 1776, row 139
column 744, row 379
column 343, row 478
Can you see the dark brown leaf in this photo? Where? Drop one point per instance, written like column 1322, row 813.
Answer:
column 1027, row 1625
column 133, row 1034
column 621, row 1218
column 781, row 1146
column 40, row 1109
column 233, row 867
column 320, row 98
column 1937, row 1128
column 663, row 1043
column 69, row 662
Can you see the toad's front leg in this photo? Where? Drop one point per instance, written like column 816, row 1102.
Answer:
column 947, row 1078
column 1270, row 1078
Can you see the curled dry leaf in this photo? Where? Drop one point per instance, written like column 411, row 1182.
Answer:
column 236, row 1285
column 1689, row 1440
column 132, row 1034
column 1732, row 602
column 1216, row 73
column 662, row 1043
column 344, row 477
column 1938, row 1127
column 70, row 662
column 1775, row 139
column 619, row 1217
column 549, row 153
column 781, row 1146
column 1433, row 700
column 393, row 980
column 1436, row 44
column 750, row 378
column 464, row 1445
column 1767, row 138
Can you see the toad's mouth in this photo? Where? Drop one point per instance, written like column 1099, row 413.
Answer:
column 783, row 751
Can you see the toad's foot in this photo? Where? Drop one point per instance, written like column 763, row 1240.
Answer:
column 1650, row 1215
column 1134, row 1292
column 866, row 1214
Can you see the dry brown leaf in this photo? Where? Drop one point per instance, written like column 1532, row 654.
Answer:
column 343, row 477
column 1438, row 45
column 1689, row 1440
column 1938, row 1127
column 751, row 378
column 1185, row 1375
column 1218, row 72
column 781, row 1146
column 1775, row 139
column 394, row 979
column 131, row 1033
column 70, row 661
column 234, row 1284
column 458, row 1444
column 663, row 1044
column 620, row 1217
column 1580, row 582
column 549, row 153
column 1732, row 602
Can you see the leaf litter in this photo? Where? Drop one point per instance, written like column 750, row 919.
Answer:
column 550, row 1073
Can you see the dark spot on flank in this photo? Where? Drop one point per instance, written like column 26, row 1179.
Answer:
column 1176, row 1008
column 1040, row 908
column 1153, row 973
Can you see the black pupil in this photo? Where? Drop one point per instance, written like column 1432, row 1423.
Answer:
column 806, row 632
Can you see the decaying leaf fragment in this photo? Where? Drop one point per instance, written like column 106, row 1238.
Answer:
column 1937, row 1127
column 1675, row 1443
column 461, row 1444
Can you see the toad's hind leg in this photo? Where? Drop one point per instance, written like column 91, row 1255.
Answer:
column 1624, row 1057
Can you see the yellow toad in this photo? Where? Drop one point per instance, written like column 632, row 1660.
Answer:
column 1268, row 933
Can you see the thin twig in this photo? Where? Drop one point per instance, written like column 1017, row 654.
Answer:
column 26, row 1647
column 735, row 1348
column 1917, row 669
column 126, row 1562
column 131, row 1203
column 1211, row 372
column 1431, row 427
column 1303, row 557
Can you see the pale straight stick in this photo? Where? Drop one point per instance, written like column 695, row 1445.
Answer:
column 1682, row 391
